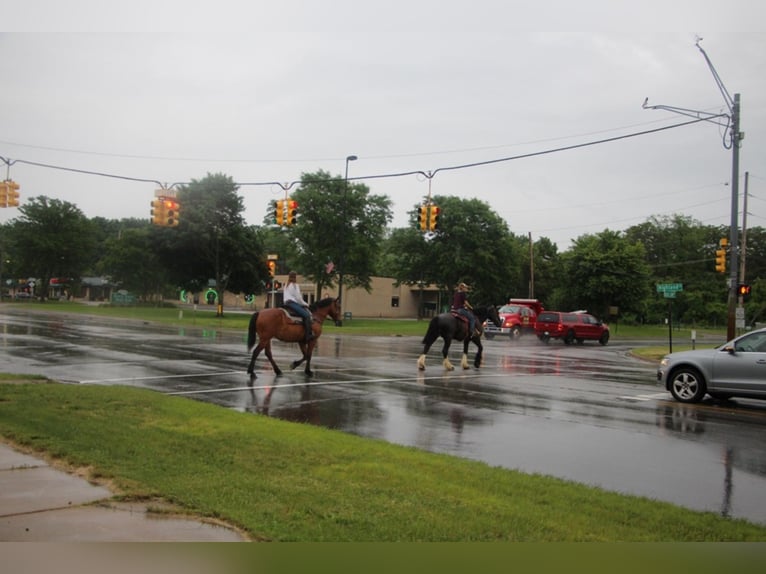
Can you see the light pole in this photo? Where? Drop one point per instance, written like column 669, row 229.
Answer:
column 735, row 137
column 342, row 262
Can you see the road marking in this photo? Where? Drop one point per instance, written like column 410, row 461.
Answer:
column 157, row 377
column 651, row 397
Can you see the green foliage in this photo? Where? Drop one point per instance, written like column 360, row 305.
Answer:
column 212, row 240
column 472, row 244
column 339, row 222
column 51, row 238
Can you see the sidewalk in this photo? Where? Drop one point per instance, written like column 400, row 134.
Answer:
column 41, row 504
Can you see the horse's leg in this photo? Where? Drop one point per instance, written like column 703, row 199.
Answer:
column 298, row 362
column 464, row 358
column 479, row 352
column 431, row 335
column 267, row 348
column 445, row 351
column 309, row 352
column 256, row 352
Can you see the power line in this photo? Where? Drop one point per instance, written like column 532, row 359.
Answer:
column 428, row 174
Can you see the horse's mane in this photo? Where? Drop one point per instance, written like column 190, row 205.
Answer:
column 321, row 303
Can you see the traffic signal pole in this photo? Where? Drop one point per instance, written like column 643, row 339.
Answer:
column 735, row 137
column 731, row 330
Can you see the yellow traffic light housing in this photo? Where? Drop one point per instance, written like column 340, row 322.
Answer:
column 3, row 194
column 171, row 213
column 423, row 217
column 12, row 194
column 158, row 211
column 720, row 260
column 272, row 267
column 433, row 223
column 279, row 215
column 292, row 211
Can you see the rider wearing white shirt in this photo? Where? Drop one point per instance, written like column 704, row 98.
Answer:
column 293, row 299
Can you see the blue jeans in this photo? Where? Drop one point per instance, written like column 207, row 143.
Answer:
column 298, row 309
column 305, row 314
column 471, row 320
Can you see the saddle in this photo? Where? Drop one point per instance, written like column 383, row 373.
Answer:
column 291, row 316
column 464, row 319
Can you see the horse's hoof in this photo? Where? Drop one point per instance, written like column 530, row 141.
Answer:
column 277, row 372
column 309, row 373
column 421, row 368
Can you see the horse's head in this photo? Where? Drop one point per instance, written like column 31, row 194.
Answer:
column 334, row 311
column 327, row 306
column 494, row 316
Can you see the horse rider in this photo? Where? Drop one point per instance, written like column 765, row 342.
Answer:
column 293, row 300
column 461, row 306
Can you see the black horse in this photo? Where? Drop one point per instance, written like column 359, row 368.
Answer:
column 449, row 327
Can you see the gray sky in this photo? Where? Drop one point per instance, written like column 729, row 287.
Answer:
column 264, row 91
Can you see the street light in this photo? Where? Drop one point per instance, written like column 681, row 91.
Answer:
column 341, row 264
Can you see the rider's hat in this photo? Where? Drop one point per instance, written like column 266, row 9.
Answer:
column 464, row 287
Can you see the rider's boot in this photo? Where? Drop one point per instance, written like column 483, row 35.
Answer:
column 309, row 330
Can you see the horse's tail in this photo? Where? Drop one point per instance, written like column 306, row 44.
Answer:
column 433, row 331
column 251, row 331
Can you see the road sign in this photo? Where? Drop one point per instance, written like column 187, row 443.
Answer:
column 669, row 290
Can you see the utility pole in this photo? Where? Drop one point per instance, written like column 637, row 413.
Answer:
column 731, row 125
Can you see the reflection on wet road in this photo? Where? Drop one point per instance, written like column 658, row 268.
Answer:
column 585, row 413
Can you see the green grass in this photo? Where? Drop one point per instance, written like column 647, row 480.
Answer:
column 290, row 482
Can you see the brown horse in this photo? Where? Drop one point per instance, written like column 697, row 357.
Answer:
column 276, row 324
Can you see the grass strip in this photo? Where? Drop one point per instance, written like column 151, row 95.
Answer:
column 285, row 481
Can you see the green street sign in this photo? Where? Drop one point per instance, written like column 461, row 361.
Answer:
column 669, row 290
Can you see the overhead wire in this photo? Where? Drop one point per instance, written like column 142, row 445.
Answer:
column 427, row 174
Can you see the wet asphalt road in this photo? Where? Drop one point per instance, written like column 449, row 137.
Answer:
column 586, row 413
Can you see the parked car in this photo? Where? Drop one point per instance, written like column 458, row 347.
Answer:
column 735, row 369
column 517, row 317
column 570, row 327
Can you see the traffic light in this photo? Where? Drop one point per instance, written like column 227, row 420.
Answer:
column 12, row 194
column 272, row 267
column 158, row 211
column 720, row 260
column 423, row 217
column 433, row 223
column 3, row 194
column 171, row 213
column 292, row 211
column 280, row 212
column 743, row 289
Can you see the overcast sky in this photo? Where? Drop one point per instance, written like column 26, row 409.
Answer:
column 265, row 91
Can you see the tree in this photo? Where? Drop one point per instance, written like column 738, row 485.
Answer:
column 338, row 225
column 604, row 270
column 212, row 240
column 51, row 238
column 472, row 244
column 131, row 261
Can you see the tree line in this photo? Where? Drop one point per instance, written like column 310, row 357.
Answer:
column 343, row 226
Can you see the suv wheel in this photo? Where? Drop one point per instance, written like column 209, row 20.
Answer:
column 687, row 385
column 515, row 333
column 569, row 337
column 604, row 339
column 489, row 335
